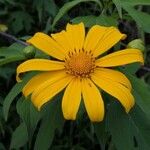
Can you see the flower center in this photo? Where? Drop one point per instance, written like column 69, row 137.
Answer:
column 80, row 63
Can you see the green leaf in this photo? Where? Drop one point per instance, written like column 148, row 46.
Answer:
column 19, row 136
column 102, row 135
column 10, row 97
column 131, row 68
column 135, row 2
column 131, row 129
column 106, row 21
column 28, row 113
column 118, row 6
column 120, row 127
column 51, row 121
column 142, row 18
column 11, row 54
column 88, row 21
column 141, row 93
column 48, row 6
column 93, row 20
column 141, row 128
column 17, row 88
column 20, row 20
column 67, row 7
column 7, row 72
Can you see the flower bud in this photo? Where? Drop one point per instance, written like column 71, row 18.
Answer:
column 3, row 28
column 137, row 43
column 29, row 51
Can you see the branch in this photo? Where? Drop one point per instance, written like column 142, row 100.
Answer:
column 12, row 38
column 146, row 68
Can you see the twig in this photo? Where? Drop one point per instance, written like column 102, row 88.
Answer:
column 12, row 38
column 146, row 68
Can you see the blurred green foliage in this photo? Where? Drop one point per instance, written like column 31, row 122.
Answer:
column 22, row 126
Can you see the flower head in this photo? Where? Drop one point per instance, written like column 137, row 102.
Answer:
column 80, row 69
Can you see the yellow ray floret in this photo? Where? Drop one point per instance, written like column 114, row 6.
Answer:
column 99, row 39
column 121, row 57
column 71, row 99
column 48, row 90
column 115, row 89
column 113, row 75
column 39, row 79
column 39, row 65
column 93, row 100
column 46, row 44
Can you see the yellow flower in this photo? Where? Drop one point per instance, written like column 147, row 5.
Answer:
column 81, row 69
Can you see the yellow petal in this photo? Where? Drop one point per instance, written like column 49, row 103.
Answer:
column 113, row 75
column 115, row 89
column 76, row 34
column 46, row 44
column 93, row 100
column 38, row 65
column 100, row 39
column 71, row 99
column 93, row 37
column 48, row 90
column 64, row 41
column 121, row 57
column 39, row 79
